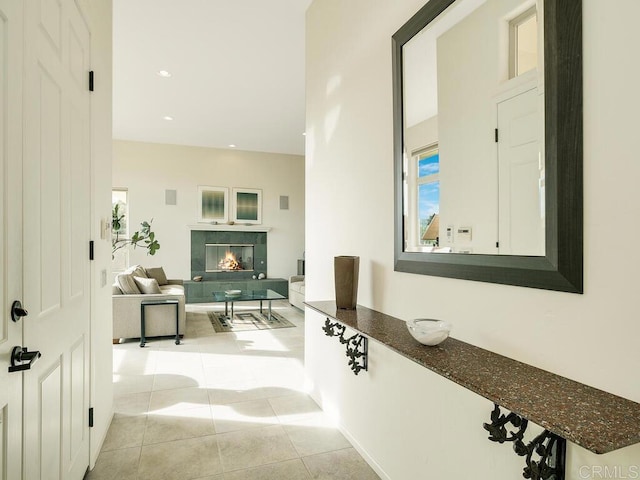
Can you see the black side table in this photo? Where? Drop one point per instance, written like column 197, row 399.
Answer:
column 149, row 303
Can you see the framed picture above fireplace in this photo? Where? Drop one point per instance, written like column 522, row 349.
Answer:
column 213, row 204
column 247, row 205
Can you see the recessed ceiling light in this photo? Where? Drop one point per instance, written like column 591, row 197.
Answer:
column 163, row 73
column 231, row 145
column 304, row 134
column 167, row 117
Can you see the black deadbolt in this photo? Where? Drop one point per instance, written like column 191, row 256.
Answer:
column 17, row 312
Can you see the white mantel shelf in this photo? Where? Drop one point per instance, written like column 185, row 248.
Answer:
column 224, row 227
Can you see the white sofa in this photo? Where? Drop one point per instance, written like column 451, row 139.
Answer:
column 160, row 320
column 296, row 291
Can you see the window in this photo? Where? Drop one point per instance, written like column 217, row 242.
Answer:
column 119, row 199
column 428, row 188
column 523, row 43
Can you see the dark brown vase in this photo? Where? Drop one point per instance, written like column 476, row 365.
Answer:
column 345, row 270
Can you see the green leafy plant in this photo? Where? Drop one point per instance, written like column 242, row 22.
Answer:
column 144, row 237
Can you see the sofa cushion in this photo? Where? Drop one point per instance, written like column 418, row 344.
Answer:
column 172, row 289
column 127, row 284
column 147, row 285
column 158, row 274
column 297, row 287
column 137, row 271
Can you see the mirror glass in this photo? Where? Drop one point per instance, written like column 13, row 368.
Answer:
column 473, row 120
column 487, row 99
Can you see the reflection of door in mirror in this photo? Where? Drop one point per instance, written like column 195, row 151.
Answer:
column 520, row 176
column 463, row 74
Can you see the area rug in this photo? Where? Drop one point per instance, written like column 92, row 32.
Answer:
column 243, row 321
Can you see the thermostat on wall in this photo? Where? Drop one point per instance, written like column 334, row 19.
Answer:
column 464, row 234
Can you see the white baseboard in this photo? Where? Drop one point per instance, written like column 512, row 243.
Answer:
column 367, row 458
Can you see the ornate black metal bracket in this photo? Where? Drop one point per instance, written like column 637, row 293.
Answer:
column 548, row 447
column 357, row 345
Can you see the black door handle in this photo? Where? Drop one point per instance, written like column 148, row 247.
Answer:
column 19, row 355
column 17, row 312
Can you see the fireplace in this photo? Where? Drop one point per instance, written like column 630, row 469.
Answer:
column 209, row 248
column 220, row 257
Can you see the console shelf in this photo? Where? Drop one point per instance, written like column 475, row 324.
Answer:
column 594, row 419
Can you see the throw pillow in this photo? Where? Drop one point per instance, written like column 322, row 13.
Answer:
column 115, row 290
column 158, row 274
column 147, row 285
column 137, row 271
column 127, row 284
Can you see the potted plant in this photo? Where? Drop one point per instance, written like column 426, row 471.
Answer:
column 144, row 237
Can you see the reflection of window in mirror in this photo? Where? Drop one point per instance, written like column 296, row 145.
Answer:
column 523, row 43
column 428, row 189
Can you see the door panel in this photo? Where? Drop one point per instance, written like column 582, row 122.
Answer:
column 78, row 432
column 11, row 51
column 77, row 54
column 56, row 237
column 51, row 417
column 46, row 172
column 77, row 198
column 50, row 15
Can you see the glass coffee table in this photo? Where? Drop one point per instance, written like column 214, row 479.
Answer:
column 233, row 296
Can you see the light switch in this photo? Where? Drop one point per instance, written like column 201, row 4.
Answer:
column 105, row 226
column 450, row 234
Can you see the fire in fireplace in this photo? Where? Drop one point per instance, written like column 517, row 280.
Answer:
column 229, row 262
column 228, row 258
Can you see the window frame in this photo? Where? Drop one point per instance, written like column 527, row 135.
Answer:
column 418, row 155
column 514, row 23
column 120, row 261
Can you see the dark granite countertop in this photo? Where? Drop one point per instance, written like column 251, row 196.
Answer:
column 594, row 419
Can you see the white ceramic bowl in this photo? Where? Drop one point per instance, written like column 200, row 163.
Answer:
column 429, row 331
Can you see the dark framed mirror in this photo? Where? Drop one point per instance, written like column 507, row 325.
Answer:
column 488, row 142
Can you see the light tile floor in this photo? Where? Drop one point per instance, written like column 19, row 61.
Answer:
column 221, row 406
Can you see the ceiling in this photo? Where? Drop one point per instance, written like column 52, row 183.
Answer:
column 237, row 73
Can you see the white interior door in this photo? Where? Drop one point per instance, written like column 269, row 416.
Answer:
column 10, row 234
column 520, row 176
column 56, row 212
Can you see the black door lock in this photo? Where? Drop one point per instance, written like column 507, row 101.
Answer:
column 17, row 312
column 20, row 355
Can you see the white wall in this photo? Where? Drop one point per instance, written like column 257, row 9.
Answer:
column 591, row 338
column 148, row 169
column 467, row 82
column 101, row 395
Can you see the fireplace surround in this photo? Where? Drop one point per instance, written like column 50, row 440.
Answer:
column 240, row 241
